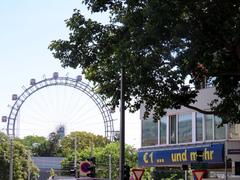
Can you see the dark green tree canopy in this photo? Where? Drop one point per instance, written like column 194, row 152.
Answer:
column 161, row 44
column 22, row 162
column 101, row 154
column 84, row 140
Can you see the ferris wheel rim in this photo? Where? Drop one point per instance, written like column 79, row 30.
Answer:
column 75, row 83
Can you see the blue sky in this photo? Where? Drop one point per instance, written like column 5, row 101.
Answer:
column 27, row 28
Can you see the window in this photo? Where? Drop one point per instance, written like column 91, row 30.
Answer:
column 149, row 132
column 213, row 132
column 180, row 129
column 219, row 132
column 209, row 127
column 172, row 129
column 185, row 128
column 234, row 131
column 199, row 127
column 163, row 128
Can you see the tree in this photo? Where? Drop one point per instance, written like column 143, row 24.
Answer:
column 84, row 141
column 161, row 44
column 4, row 154
column 31, row 141
column 53, row 145
column 22, row 163
column 101, row 155
column 40, row 146
column 34, row 143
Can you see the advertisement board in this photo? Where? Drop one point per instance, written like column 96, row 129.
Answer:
column 212, row 153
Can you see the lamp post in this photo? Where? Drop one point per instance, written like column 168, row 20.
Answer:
column 11, row 149
column 226, row 150
column 122, row 126
column 29, row 170
column 225, row 158
column 11, row 159
column 75, row 155
column 110, row 166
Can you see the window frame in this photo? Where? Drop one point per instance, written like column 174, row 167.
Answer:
column 176, row 129
column 194, row 116
column 159, row 131
column 178, row 121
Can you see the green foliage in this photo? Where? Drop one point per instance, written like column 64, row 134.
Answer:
column 52, row 172
column 53, row 145
column 148, row 173
column 84, row 140
column 34, row 144
column 30, row 141
column 161, row 44
column 4, row 156
column 40, row 146
column 166, row 173
column 21, row 161
column 102, row 149
column 102, row 159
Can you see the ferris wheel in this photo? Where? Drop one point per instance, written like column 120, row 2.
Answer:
column 59, row 101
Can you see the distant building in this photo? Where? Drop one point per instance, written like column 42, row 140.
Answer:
column 186, row 137
column 61, row 131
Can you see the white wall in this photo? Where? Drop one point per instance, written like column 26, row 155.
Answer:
column 204, row 97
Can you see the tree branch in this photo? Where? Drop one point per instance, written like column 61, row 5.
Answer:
column 200, row 110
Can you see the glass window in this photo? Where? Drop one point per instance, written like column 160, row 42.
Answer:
column 172, row 129
column 209, row 127
column 219, row 131
column 163, row 130
column 149, row 132
column 234, row 131
column 199, row 127
column 185, row 128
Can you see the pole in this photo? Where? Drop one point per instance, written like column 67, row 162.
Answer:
column 75, row 155
column 91, row 147
column 110, row 167
column 226, row 150
column 186, row 175
column 11, row 159
column 226, row 160
column 29, row 171
column 122, row 127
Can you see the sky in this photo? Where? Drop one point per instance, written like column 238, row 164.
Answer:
column 27, row 28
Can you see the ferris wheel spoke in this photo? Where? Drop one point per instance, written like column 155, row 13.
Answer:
column 78, row 110
column 56, row 101
column 82, row 120
column 80, row 117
